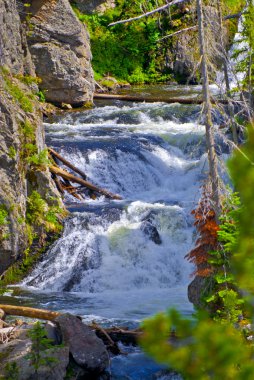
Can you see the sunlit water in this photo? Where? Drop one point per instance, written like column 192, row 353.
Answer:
column 119, row 262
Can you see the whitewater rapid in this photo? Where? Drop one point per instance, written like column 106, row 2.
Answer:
column 125, row 260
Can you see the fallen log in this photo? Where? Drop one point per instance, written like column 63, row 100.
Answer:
column 58, row 184
column 131, row 98
column 72, row 178
column 29, row 312
column 67, row 163
column 109, row 335
column 71, row 190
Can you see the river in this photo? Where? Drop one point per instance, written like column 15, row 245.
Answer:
column 118, row 262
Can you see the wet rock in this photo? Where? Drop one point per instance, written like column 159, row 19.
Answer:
column 151, row 231
column 195, row 290
column 60, row 49
column 86, row 349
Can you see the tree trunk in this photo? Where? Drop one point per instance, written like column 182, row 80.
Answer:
column 212, row 158
column 226, row 76
column 132, row 98
column 30, row 312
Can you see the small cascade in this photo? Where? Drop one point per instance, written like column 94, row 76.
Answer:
column 126, row 259
column 239, row 44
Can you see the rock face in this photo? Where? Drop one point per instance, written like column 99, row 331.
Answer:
column 59, row 45
column 95, row 6
column 195, row 290
column 86, row 349
column 20, row 116
column 185, row 55
column 13, row 46
column 17, row 180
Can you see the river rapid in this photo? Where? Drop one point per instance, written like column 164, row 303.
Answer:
column 118, row 262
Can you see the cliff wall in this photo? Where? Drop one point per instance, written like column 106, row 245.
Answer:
column 42, row 38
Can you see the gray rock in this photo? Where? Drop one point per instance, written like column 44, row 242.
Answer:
column 86, row 349
column 17, row 351
column 195, row 290
column 184, row 54
column 95, row 6
column 13, row 47
column 16, row 180
column 53, row 333
column 60, row 50
column 151, row 231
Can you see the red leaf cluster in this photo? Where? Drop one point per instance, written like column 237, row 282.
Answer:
column 207, row 241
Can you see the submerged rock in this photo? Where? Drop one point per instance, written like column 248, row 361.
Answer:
column 151, row 231
column 86, row 349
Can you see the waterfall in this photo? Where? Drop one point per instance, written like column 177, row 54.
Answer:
column 126, row 259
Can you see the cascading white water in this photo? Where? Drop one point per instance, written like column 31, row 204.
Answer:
column 125, row 259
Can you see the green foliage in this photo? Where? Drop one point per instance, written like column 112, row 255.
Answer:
column 12, row 152
column 16, row 92
column 11, row 371
column 3, row 215
column 225, row 302
column 40, row 343
column 207, row 349
column 130, row 51
column 41, row 96
column 28, row 79
column 28, row 130
column 39, row 160
column 40, row 213
column 242, row 171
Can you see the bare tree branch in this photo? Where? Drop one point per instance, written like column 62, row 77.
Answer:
column 236, row 15
column 195, row 27
column 174, row 2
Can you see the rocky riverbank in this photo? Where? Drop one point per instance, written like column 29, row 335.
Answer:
column 53, row 349
column 41, row 43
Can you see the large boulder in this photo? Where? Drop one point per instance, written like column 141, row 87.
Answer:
column 60, row 48
column 86, row 349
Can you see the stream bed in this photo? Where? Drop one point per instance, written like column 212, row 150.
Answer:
column 118, row 262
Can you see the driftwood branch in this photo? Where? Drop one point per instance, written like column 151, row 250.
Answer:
column 67, row 163
column 159, row 9
column 157, row 99
column 30, row 312
column 72, row 178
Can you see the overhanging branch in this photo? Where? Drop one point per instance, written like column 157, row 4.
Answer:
column 174, row 2
column 195, row 27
